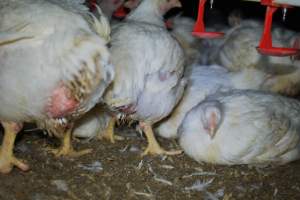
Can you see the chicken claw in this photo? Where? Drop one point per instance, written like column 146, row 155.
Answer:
column 7, row 159
column 153, row 147
column 109, row 132
column 66, row 149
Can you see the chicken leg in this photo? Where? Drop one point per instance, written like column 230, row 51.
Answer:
column 109, row 132
column 153, row 147
column 66, row 149
column 7, row 159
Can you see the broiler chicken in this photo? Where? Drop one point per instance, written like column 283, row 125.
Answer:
column 181, row 28
column 95, row 123
column 243, row 127
column 149, row 66
column 202, row 82
column 238, row 50
column 54, row 67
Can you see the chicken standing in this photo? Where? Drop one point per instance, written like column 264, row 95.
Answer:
column 202, row 82
column 243, row 127
column 55, row 66
column 149, row 66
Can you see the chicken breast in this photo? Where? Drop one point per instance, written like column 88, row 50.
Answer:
column 149, row 66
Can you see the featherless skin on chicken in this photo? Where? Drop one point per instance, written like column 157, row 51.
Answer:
column 202, row 82
column 149, row 65
column 55, row 66
column 243, row 127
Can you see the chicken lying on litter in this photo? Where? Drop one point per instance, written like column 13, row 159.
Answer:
column 94, row 124
column 149, row 66
column 202, row 82
column 238, row 50
column 54, row 67
column 243, row 127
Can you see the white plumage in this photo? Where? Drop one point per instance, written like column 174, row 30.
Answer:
column 54, row 63
column 92, row 124
column 181, row 29
column 243, row 127
column 149, row 65
column 238, row 50
column 202, row 82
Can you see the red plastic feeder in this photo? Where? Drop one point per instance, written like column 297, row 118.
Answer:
column 92, row 5
column 265, row 45
column 121, row 12
column 199, row 28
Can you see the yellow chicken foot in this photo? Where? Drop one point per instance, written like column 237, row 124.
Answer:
column 153, row 147
column 66, row 149
column 7, row 158
column 109, row 132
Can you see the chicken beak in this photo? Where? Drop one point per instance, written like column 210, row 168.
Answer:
column 212, row 126
column 212, row 132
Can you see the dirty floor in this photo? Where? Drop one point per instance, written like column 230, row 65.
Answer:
column 117, row 171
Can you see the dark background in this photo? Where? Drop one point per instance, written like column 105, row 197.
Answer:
column 248, row 9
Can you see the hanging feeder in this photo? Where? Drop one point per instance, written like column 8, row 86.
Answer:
column 199, row 28
column 265, row 45
column 92, row 5
column 121, row 12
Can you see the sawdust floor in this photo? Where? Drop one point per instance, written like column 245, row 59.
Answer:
column 117, row 171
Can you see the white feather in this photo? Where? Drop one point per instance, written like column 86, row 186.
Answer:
column 255, row 128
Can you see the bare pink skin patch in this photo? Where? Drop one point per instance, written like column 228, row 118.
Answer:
column 61, row 102
column 127, row 109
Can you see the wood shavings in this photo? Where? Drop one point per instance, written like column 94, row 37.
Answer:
column 159, row 178
column 200, row 174
column 167, row 166
column 140, row 165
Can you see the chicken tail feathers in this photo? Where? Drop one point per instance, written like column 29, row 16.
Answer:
column 101, row 25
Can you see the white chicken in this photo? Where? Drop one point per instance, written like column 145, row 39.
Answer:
column 149, row 66
column 55, row 66
column 238, row 50
column 202, row 82
column 243, row 127
column 181, row 29
column 94, row 124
